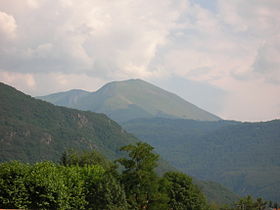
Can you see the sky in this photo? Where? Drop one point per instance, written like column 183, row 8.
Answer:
column 221, row 55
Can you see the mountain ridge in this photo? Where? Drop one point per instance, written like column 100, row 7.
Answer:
column 135, row 98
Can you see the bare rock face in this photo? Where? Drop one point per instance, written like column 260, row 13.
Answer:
column 81, row 120
column 46, row 138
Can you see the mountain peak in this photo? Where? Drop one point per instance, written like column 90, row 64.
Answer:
column 135, row 98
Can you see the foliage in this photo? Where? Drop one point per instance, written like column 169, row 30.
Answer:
column 46, row 188
column 183, row 193
column 140, row 181
column 46, row 185
column 108, row 193
column 249, row 203
column 83, row 158
column 13, row 191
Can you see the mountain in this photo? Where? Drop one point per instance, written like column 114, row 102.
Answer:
column 32, row 130
column 68, row 98
column 131, row 99
column 242, row 156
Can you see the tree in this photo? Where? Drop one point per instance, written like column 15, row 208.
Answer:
column 106, row 193
column 13, row 191
column 82, row 158
column 140, row 181
column 182, row 193
column 245, row 203
column 46, row 187
column 260, row 204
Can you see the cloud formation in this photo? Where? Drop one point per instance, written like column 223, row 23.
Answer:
column 99, row 38
column 7, row 26
column 48, row 46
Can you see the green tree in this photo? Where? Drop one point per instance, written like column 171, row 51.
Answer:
column 260, row 204
column 140, row 181
column 245, row 203
column 270, row 204
column 75, row 184
column 13, row 191
column 107, row 193
column 183, row 194
column 102, row 189
column 82, row 158
column 46, row 187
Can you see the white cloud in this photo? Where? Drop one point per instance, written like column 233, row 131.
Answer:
column 267, row 60
column 24, row 82
column 47, row 83
column 8, row 26
column 257, row 17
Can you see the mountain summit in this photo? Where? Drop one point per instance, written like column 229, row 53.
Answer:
column 131, row 99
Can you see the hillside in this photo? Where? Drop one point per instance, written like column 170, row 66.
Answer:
column 242, row 156
column 131, row 99
column 32, row 130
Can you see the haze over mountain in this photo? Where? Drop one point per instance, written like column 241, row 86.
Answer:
column 131, row 99
column 32, row 130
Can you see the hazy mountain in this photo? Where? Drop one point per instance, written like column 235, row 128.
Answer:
column 131, row 99
column 33, row 130
column 242, row 156
column 68, row 98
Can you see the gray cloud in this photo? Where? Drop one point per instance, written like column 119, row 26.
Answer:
column 93, row 37
column 267, row 60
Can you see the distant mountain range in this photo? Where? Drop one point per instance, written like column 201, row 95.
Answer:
column 131, row 99
column 242, row 156
column 32, row 130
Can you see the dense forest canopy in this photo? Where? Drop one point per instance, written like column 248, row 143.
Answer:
column 87, row 180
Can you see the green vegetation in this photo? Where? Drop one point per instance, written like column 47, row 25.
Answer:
column 131, row 99
column 242, row 156
column 46, row 185
column 84, row 181
column 140, row 181
column 32, row 130
column 80, row 184
column 183, row 193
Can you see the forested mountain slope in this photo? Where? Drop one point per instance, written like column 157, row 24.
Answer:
column 242, row 156
column 33, row 130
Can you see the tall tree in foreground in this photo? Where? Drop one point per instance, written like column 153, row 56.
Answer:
column 183, row 194
column 139, row 178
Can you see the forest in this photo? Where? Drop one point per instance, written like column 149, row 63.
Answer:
column 87, row 180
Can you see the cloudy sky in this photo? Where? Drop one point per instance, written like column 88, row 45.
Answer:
column 222, row 55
